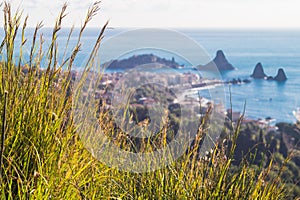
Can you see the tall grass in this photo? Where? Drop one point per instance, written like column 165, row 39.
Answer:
column 42, row 156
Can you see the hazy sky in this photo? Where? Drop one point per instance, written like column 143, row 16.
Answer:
column 171, row 13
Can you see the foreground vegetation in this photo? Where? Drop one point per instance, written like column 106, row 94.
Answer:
column 42, row 156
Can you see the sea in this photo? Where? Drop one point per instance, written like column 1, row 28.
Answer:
column 243, row 48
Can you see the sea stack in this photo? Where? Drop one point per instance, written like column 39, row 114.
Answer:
column 258, row 72
column 219, row 61
column 280, row 75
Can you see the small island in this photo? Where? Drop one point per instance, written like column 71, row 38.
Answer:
column 220, row 62
column 137, row 60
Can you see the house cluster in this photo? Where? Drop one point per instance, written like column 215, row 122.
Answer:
column 266, row 124
column 172, row 81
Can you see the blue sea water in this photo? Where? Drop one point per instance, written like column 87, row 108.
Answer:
column 274, row 49
column 244, row 49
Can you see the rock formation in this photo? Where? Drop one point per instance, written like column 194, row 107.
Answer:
column 280, row 75
column 219, row 61
column 258, row 72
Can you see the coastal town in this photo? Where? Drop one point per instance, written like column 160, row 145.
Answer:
column 188, row 83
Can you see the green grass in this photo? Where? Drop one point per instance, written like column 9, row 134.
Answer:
column 44, row 158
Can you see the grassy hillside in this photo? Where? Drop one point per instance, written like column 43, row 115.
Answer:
column 42, row 156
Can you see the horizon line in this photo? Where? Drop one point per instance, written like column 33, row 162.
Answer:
column 159, row 27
